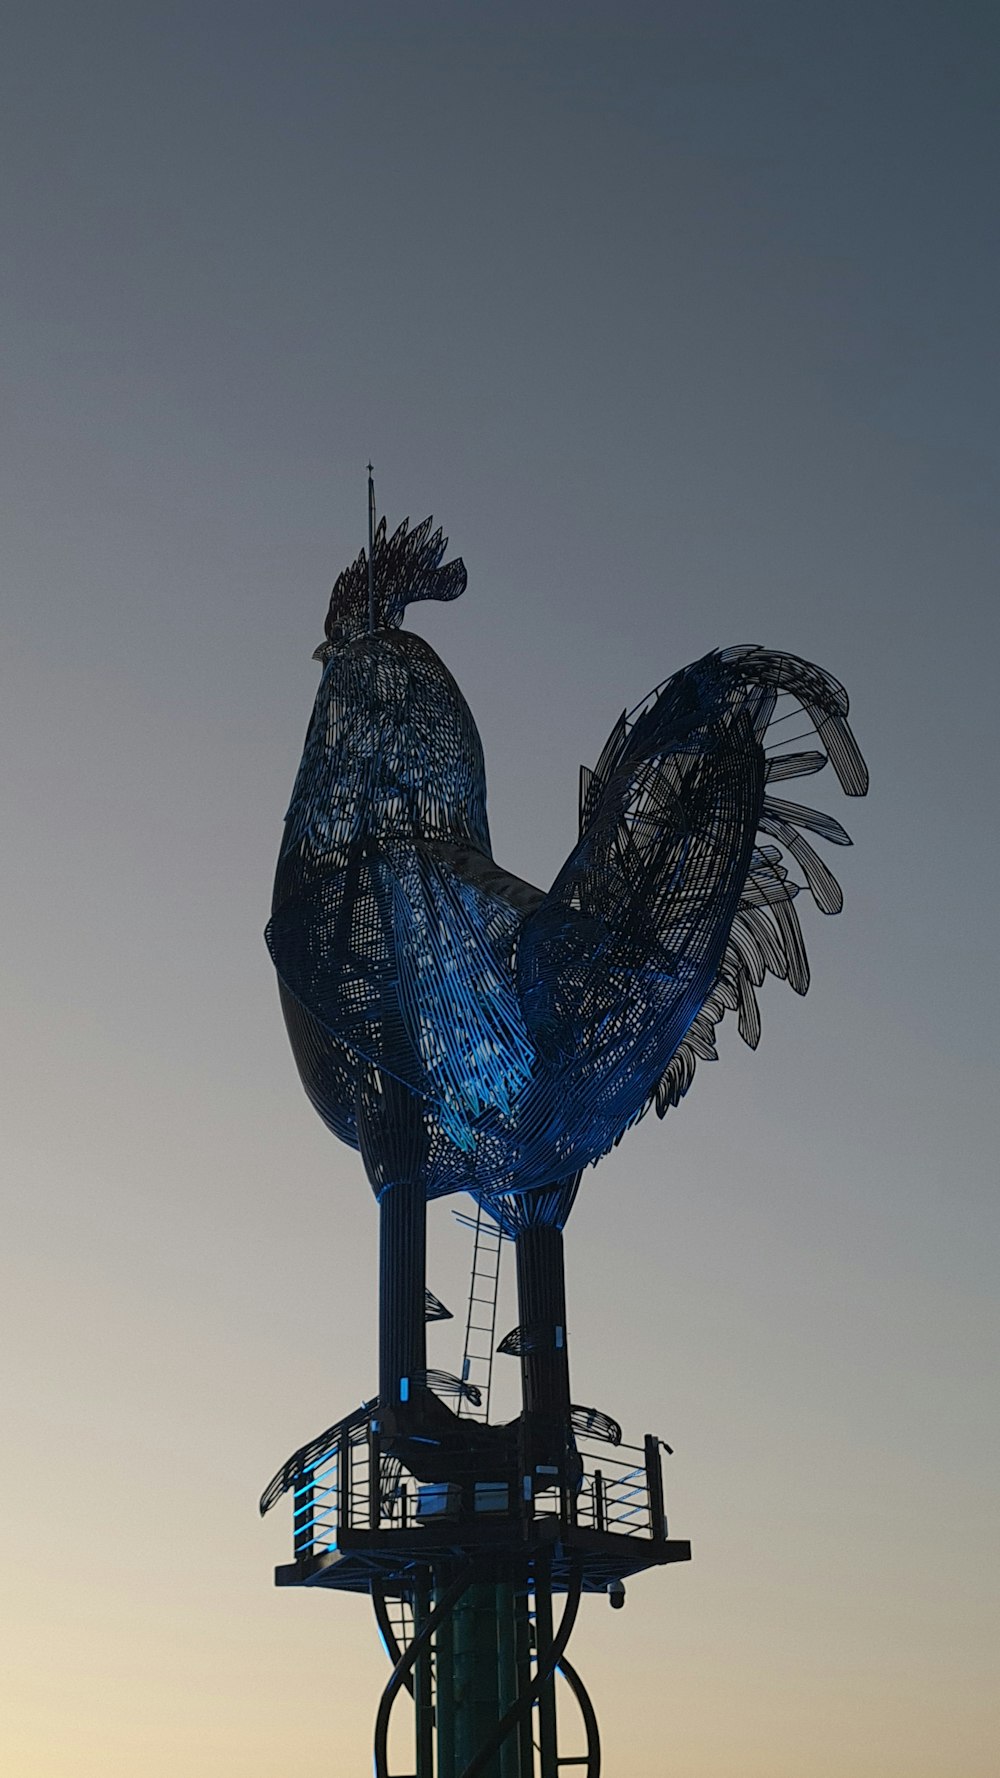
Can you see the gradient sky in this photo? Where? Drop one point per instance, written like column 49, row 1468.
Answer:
column 683, row 320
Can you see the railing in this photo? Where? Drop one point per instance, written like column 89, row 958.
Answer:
column 355, row 1485
column 615, row 1493
column 315, row 1511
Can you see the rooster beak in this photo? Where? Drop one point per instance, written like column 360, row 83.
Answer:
column 321, row 653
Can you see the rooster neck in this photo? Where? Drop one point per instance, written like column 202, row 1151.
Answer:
column 392, row 755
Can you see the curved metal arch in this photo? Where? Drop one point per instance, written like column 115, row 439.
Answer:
column 589, row 1715
column 386, row 1629
column 569, row 1673
column 404, row 1666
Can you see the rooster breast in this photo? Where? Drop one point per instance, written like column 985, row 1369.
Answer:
column 374, row 973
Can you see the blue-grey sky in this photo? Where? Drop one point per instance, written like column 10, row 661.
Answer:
column 682, row 320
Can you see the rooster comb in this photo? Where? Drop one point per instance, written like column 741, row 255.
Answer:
column 406, row 568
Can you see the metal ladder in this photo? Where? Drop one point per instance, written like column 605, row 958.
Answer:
column 481, row 1319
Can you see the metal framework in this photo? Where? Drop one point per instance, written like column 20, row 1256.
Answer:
column 468, row 1032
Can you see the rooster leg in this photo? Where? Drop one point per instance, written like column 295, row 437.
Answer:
column 541, row 1304
column 393, row 1140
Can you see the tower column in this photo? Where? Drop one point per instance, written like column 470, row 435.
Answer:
column 541, row 1312
column 393, row 1141
column 402, row 1317
column 541, row 1304
column 478, row 1674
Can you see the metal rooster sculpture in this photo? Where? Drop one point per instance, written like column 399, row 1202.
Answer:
column 468, row 1031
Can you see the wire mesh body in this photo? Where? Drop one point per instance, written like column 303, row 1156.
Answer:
column 532, row 1028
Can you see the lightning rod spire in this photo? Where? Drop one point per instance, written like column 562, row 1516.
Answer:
column 371, row 548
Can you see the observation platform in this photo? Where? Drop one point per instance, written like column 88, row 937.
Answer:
column 395, row 1558
column 360, row 1519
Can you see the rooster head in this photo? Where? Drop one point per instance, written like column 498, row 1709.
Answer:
column 407, row 567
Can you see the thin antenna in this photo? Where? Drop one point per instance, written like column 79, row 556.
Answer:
column 371, row 550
